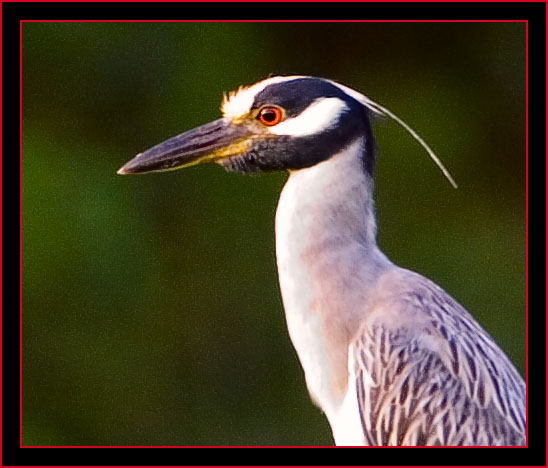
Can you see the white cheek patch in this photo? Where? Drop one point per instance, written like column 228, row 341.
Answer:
column 239, row 102
column 319, row 116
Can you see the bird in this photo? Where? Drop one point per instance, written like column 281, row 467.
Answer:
column 388, row 355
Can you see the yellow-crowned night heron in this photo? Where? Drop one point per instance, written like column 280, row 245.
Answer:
column 388, row 355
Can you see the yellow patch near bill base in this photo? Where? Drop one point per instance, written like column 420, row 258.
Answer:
column 238, row 147
column 234, row 149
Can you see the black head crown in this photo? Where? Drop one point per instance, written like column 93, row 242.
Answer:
column 280, row 123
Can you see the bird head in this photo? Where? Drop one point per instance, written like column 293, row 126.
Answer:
column 281, row 123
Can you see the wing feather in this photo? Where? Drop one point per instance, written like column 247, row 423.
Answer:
column 428, row 374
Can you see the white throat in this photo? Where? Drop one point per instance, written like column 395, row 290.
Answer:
column 327, row 259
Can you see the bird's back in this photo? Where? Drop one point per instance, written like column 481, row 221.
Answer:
column 426, row 373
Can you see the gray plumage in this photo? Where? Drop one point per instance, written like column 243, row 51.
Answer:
column 461, row 391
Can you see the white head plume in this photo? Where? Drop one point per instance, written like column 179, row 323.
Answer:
column 380, row 110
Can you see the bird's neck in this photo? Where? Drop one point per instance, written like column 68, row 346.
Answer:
column 328, row 260
column 328, row 207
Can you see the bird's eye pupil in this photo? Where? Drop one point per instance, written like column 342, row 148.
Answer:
column 270, row 115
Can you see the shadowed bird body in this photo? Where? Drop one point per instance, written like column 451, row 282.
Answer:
column 389, row 356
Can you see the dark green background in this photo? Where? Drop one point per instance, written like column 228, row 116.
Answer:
column 151, row 310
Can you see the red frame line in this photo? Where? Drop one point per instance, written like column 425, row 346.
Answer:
column 262, row 21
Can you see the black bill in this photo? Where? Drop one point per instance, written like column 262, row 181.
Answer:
column 210, row 142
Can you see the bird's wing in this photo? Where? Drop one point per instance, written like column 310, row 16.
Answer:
column 428, row 374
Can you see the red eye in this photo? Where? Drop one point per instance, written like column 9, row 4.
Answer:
column 270, row 115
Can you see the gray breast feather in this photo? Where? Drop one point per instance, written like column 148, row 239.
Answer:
column 428, row 374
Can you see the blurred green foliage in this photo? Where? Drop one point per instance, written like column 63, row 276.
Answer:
column 151, row 310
